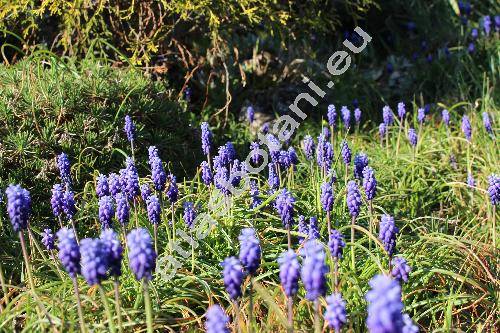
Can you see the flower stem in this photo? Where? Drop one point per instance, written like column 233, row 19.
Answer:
column 290, row 314
column 236, row 316
column 79, row 306
column 107, row 309
column 250, row 311
column 317, row 321
column 353, row 222
column 118, row 304
column 147, row 306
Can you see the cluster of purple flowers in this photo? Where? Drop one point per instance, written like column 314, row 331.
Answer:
column 18, row 207
column 387, row 234
column 284, row 206
column 249, row 250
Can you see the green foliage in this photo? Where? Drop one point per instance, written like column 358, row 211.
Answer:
column 48, row 106
column 141, row 29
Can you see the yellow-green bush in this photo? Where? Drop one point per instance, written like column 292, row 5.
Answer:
column 142, row 28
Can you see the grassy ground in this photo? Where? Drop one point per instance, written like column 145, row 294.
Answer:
column 445, row 234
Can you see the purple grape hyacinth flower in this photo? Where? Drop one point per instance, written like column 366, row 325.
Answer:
column 325, row 131
column 384, row 306
column 487, row 24
column 357, row 115
column 172, row 190
column 303, row 228
column 335, row 313
column 254, row 194
column 401, row 110
column 387, row 115
column 346, row 116
column 487, row 123
column 206, row 138
column 154, row 209
column 132, row 179
column 382, row 130
column 232, row 273
column 216, row 320
column 284, row 206
column 387, row 233
column 206, row 173
column 314, row 269
column 400, row 269
column 18, row 206
column 409, row 327
column 445, row 115
column 332, row 116
column 256, row 157
column 289, row 272
column 48, row 239
column 64, row 168
column 412, row 137
column 336, row 244
column 221, row 180
column 360, row 162
column 158, row 174
column 114, row 251
column 115, row 185
column 324, row 153
column 189, row 214
column 353, row 198
column 94, row 260
column 470, row 180
column 345, row 152
column 106, row 211
column 69, row 204
column 274, row 147
column 273, row 180
column 369, row 183
column 129, row 128
column 313, row 228
column 102, row 187
column 69, row 251
column 327, row 196
column 250, row 114
column 145, row 192
column 141, row 254
column 250, row 251
column 474, row 33
column 292, row 156
column 57, row 200
column 122, row 209
column 466, row 127
column 421, row 115
column 494, row 188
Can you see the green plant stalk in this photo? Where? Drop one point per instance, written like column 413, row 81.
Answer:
column 147, row 306
column 74, row 229
column 494, row 229
column 4, row 288
column 118, row 304
column 329, row 224
column 192, row 251
column 399, row 136
column 353, row 222
column 173, row 221
column 28, row 267
column 290, row 314
column 132, row 150
column 155, row 231
column 289, row 236
column 135, row 213
column 236, row 309
column 250, row 311
column 317, row 319
column 79, row 306
column 107, row 309
column 336, row 274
